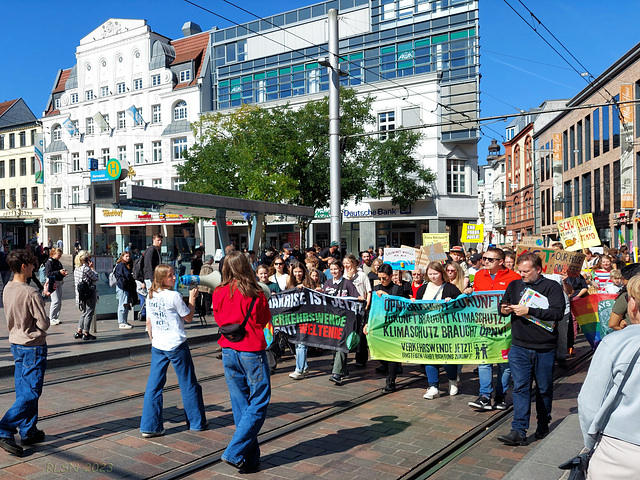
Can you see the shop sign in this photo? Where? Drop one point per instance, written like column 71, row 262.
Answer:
column 51, row 221
column 18, row 213
column 112, row 213
column 375, row 212
column 324, row 213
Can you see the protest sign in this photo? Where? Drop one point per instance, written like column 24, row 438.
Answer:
column 434, row 253
column 592, row 314
column 443, row 238
column 322, row 320
column 403, row 258
column 472, row 233
column 467, row 330
column 578, row 232
column 532, row 241
column 556, row 261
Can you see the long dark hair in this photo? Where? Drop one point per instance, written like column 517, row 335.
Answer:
column 306, row 281
column 238, row 274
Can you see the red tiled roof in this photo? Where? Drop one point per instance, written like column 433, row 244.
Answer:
column 4, row 106
column 64, row 76
column 191, row 48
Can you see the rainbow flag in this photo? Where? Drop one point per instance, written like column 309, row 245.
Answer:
column 592, row 314
column 268, row 333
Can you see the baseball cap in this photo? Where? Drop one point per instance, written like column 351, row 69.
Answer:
column 371, row 247
column 476, row 257
column 208, row 257
column 287, row 246
column 334, row 244
column 457, row 249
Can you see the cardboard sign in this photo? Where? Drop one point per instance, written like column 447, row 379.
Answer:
column 472, row 233
column 400, row 258
column 561, row 262
column 434, row 253
column 532, row 241
column 578, row 232
column 443, row 238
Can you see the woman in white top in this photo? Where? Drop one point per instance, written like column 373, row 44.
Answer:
column 362, row 283
column 280, row 273
column 166, row 314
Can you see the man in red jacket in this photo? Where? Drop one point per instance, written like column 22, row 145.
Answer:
column 494, row 276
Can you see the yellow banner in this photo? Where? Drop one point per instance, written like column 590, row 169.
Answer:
column 626, row 109
column 578, row 232
column 430, row 238
column 472, row 233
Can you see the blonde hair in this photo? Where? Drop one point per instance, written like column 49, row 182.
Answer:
column 459, row 280
column 161, row 272
column 55, row 251
column 615, row 274
column 633, row 288
column 81, row 257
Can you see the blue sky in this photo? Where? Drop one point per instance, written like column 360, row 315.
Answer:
column 519, row 71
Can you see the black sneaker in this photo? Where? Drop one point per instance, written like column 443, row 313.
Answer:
column 8, row 444
column 482, row 403
column 541, row 432
column 77, row 335
column 36, row 437
column 389, row 387
column 88, row 336
column 499, row 404
column 514, row 439
column 335, row 378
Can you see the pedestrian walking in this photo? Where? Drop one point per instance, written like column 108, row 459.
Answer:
column 55, row 273
column 239, row 300
column 125, row 289
column 27, row 323
column 166, row 314
column 85, row 274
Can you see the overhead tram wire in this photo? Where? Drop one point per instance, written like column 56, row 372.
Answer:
column 446, row 107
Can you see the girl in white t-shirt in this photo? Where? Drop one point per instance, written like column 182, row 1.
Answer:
column 166, row 314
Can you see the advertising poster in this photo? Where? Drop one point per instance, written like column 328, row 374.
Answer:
column 467, row 330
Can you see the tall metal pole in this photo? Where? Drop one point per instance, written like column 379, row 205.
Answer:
column 334, row 126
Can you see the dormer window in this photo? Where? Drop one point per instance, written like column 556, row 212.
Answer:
column 57, row 133
column 185, row 76
column 57, row 104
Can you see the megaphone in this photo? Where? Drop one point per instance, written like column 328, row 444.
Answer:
column 212, row 281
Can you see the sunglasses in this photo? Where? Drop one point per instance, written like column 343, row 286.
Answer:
column 278, row 263
column 489, row 259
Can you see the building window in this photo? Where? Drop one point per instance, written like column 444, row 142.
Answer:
column 179, row 147
column 75, row 162
column 104, row 91
column 156, row 183
column 185, row 76
column 386, row 123
column 74, row 98
column 23, row 197
column 180, row 111
column 138, row 153
column 104, row 158
column 23, row 139
column 122, row 120
column 121, row 88
column 1, row 168
column 139, row 183
column 157, row 152
column 76, row 125
column 596, row 191
column 615, row 123
column 34, row 197
column 105, row 128
column 177, row 184
column 90, row 126
column 572, row 147
column 123, row 187
column 586, row 193
column 122, row 154
column 587, row 138
column 456, row 176
column 606, row 189
column 616, row 186
column 57, row 133
column 33, row 165
column 137, row 84
column 579, row 143
column 56, row 198
column 12, row 167
column 56, row 164
column 23, row 167
column 12, row 140
column 12, row 195
column 155, row 114
column 596, row 133
column 605, row 129
column 88, row 95
column 1, row 142
column 75, row 196
column 90, row 155
column 155, row 80
column 56, row 104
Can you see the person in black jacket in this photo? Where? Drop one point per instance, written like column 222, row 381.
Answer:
column 533, row 345
column 152, row 258
column 55, row 273
column 125, row 289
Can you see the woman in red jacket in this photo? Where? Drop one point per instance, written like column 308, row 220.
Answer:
column 245, row 363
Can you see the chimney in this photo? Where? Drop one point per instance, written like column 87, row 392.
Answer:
column 190, row 28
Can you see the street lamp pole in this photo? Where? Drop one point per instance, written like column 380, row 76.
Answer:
column 334, row 126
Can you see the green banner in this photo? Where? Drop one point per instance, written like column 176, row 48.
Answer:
column 467, row 330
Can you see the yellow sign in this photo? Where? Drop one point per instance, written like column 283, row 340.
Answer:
column 430, row 238
column 113, row 169
column 626, row 109
column 112, row 213
column 472, row 233
column 578, row 232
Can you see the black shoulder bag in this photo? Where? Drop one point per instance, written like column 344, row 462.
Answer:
column 580, row 464
column 235, row 332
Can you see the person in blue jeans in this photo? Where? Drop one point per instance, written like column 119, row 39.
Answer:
column 533, row 346
column 28, row 323
column 166, row 314
column 246, row 369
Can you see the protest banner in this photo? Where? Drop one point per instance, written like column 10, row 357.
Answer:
column 556, row 261
column 592, row 314
column 443, row 238
column 472, row 233
column 403, row 258
column 321, row 320
column 467, row 330
column 578, row 232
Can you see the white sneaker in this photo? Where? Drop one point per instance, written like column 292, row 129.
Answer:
column 55, row 322
column 432, row 393
column 297, row 375
column 125, row 326
column 453, row 387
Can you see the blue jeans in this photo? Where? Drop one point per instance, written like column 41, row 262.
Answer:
column 485, row 375
column 433, row 373
column 527, row 364
column 30, row 364
column 247, row 375
column 301, row 358
column 190, row 389
column 123, row 298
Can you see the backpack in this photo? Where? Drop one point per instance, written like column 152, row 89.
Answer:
column 113, row 281
column 41, row 275
column 138, row 269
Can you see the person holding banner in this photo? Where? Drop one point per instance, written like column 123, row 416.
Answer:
column 439, row 288
column 533, row 346
column 299, row 279
column 494, row 276
column 602, row 273
column 339, row 286
column 360, row 280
